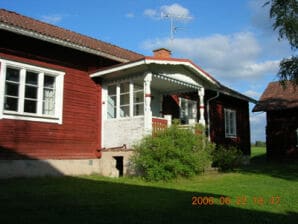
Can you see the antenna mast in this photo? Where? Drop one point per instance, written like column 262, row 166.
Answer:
column 173, row 28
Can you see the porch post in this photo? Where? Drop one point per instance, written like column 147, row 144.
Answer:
column 201, row 93
column 147, row 105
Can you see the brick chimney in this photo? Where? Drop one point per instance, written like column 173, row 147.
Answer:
column 162, row 53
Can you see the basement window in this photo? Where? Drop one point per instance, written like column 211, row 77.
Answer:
column 30, row 93
column 230, row 123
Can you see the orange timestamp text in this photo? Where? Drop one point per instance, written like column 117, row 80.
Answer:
column 239, row 200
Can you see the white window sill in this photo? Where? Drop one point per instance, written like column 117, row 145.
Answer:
column 31, row 117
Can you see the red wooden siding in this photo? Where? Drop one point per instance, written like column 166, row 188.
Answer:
column 217, row 121
column 79, row 134
column 281, row 136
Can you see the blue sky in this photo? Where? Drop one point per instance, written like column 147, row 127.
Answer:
column 231, row 39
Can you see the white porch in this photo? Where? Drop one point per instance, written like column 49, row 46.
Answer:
column 133, row 99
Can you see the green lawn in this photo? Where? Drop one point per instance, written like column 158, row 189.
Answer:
column 259, row 193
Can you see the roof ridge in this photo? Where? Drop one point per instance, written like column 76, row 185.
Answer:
column 78, row 35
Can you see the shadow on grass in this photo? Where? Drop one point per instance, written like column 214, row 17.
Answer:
column 260, row 164
column 75, row 200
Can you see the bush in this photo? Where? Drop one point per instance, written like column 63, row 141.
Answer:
column 171, row 153
column 227, row 158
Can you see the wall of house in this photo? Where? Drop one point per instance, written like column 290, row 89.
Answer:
column 128, row 131
column 79, row 135
column 281, row 136
column 217, row 121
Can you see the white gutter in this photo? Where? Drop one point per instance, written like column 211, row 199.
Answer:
column 59, row 42
column 208, row 112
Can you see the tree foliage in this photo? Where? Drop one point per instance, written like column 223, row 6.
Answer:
column 285, row 16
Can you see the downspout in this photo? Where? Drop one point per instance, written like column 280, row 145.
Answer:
column 208, row 113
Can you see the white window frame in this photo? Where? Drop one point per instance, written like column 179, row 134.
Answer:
column 20, row 114
column 191, row 115
column 131, row 104
column 230, row 132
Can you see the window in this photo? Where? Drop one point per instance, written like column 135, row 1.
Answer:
column 188, row 110
column 138, row 100
column 230, row 123
column 112, row 105
column 124, row 99
column 30, row 93
column 130, row 97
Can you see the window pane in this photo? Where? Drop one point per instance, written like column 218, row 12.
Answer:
column 30, row 106
column 124, row 111
column 138, row 97
column 31, row 78
column 12, row 89
column 11, row 104
column 138, row 109
column 48, row 101
column 111, row 112
column 124, row 87
column 138, row 88
column 112, row 90
column 31, row 92
column 124, row 99
column 13, row 74
column 49, row 81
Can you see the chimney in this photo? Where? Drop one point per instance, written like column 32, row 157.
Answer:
column 162, row 53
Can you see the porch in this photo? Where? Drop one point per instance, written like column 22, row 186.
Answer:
column 142, row 97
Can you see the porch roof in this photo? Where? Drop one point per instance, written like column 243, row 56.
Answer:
column 149, row 63
column 186, row 69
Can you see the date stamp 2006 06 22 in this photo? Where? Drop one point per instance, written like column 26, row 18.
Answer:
column 239, row 200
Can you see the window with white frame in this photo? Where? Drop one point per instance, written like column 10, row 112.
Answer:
column 230, row 123
column 130, row 97
column 112, row 101
column 138, row 100
column 124, row 99
column 188, row 110
column 30, row 93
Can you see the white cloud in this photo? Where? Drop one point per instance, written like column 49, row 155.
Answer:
column 225, row 56
column 175, row 10
column 152, row 13
column 130, row 15
column 54, row 18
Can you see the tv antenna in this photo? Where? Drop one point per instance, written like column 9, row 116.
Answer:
column 172, row 17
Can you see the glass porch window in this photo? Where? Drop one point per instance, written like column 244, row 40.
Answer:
column 138, row 100
column 124, row 99
column 112, row 98
column 127, row 96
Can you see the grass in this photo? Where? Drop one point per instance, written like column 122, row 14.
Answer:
column 95, row 199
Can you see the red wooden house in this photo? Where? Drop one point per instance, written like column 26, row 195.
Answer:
column 281, row 106
column 71, row 104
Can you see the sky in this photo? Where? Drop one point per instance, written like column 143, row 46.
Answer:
column 232, row 40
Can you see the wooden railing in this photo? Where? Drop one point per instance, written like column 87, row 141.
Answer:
column 158, row 124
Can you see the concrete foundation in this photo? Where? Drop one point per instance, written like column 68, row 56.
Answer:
column 112, row 164
column 33, row 168
column 108, row 163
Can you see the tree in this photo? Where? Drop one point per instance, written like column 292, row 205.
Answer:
column 285, row 16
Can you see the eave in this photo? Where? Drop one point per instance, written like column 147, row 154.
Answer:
column 58, row 41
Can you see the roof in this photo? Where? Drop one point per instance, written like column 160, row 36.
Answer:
column 217, row 86
column 276, row 97
column 31, row 27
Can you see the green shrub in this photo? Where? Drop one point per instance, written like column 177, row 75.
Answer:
column 171, row 153
column 227, row 158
